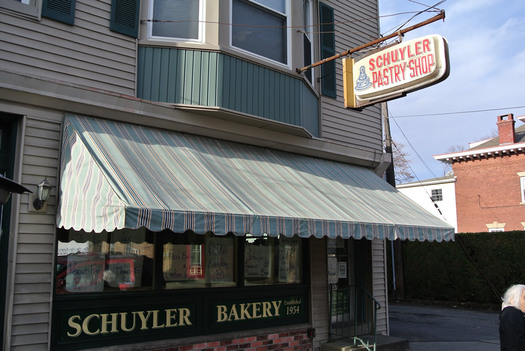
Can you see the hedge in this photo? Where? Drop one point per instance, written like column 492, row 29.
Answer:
column 475, row 268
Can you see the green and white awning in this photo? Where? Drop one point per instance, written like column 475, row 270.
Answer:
column 117, row 175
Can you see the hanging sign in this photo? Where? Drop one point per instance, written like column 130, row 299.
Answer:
column 395, row 71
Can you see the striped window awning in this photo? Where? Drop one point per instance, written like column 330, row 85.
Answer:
column 116, row 175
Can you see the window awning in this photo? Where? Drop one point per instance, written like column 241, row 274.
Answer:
column 116, row 175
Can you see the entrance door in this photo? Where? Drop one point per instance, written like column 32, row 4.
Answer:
column 7, row 155
column 350, row 278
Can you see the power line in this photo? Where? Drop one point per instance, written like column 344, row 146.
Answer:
column 415, row 175
column 428, row 9
column 358, row 20
column 459, row 112
column 415, row 151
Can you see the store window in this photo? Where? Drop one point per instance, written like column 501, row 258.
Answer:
column 196, row 261
column 104, row 262
column 140, row 260
column 260, row 27
column 272, row 261
column 179, row 20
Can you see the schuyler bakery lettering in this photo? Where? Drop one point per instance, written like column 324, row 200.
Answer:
column 185, row 319
column 234, row 312
column 105, row 323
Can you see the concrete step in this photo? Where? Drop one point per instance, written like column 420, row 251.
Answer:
column 383, row 343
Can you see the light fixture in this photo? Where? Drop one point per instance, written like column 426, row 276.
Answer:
column 42, row 194
column 7, row 186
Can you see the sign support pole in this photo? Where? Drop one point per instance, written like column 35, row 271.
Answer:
column 373, row 42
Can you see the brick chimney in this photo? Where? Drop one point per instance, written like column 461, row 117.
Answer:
column 506, row 129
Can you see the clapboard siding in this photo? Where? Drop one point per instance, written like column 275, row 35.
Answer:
column 319, row 289
column 379, row 284
column 33, row 318
column 87, row 53
column 35, row 241
column 356, row 24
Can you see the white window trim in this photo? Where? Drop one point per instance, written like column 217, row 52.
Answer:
column 496, row 230
column 201, row 31
column 496, row 227
column 288, row 10
column 32, row 10
column 522, row 186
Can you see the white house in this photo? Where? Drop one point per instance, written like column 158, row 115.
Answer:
column 436, row 195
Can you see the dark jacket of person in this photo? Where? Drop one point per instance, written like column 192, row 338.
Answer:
column 512, row 329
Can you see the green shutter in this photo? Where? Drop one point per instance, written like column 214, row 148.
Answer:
column 327, row 41
column 59, row 10
column 125, row 17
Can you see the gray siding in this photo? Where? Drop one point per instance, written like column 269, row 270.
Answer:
column 32, row 247
column 87, row 53
column 319, row 289
column 356, row 24
column 380, row 284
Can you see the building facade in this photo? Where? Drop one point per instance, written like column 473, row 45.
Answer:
column 436, row 195
column 204, row 194
column 490, row 185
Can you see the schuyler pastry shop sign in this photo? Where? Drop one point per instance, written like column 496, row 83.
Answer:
column 395, row 71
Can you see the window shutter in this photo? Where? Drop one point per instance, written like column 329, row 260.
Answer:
column 59, row 10
column 327, row 41
column 125, row 17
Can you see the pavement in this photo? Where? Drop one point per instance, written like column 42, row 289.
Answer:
column 439, row 328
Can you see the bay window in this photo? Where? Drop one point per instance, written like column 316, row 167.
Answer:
column 260, row 27
column 176, row 20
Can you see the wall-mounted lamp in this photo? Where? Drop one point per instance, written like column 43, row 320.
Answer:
column 7, row 186
column 42, row 194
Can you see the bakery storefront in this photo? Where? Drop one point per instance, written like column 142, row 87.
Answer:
column 165, row 235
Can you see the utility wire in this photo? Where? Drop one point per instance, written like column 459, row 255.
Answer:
column 459, row 112
column 353, row 21
column 413, row 148
column 428, row 9
column 421, row 184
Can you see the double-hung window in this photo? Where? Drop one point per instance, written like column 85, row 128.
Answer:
column 180, row 20
column 260, row 27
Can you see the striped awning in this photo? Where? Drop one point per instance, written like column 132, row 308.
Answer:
column 117, row 175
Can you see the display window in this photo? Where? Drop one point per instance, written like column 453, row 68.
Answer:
column 141, row 260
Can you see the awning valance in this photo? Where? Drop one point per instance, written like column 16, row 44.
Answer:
column 116, row 175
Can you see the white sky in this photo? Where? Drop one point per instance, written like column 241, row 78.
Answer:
column 487, row 72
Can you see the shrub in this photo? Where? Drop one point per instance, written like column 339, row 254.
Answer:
column 475, row 268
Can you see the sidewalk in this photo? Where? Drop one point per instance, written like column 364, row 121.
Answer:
column 432, row 328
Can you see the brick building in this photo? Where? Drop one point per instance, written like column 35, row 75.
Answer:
column 490, row 186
